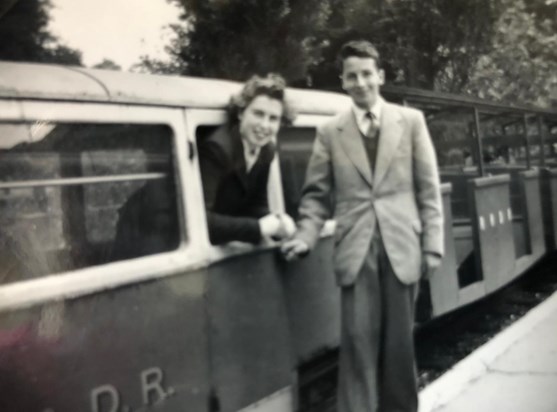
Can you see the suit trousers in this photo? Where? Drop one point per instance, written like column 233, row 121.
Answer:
column 377, row 370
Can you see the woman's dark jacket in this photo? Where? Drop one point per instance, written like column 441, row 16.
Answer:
column 234, row 199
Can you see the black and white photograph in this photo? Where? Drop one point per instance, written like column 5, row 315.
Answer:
column 278, row 206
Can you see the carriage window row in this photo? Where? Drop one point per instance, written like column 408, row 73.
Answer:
column 79, row 195
column 75, row 195
column 503, row 141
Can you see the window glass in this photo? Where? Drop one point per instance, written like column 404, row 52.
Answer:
column 295, row 147
column 79, row 195
column 452, row 133
column 504, row 143
column 550, row 146
column 505, row 151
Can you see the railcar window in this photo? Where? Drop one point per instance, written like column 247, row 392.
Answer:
column 504, row 143
column 452, row 132
column 295, row 147
column 505, row 150
column 550, row 145
column 79, row 195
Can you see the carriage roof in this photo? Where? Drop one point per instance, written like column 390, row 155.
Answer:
column 64, row 83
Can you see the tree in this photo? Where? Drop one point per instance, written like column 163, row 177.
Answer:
column 107, row 64
column 60, row 54
column 430, row 44
column 236, row 38
column 148, row 64
column 522, row 63
column 24, row 34
column 545, row 12
column 501, row 49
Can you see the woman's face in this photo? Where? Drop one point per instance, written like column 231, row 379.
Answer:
column 260, row 121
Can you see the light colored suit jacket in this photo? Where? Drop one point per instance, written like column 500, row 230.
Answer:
column 402, row 196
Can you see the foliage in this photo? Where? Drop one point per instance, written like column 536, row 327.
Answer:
column 236, row 38
column 148, row 64
column 107, row 64
column 499, row 49
column 24, row 34
column 59, row 54
column 522, row 63
column 430, row 44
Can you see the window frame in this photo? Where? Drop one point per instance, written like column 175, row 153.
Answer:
column 315, row 121
column 79, row 282
column 218, row 117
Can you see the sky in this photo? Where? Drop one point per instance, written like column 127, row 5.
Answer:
column 119, row 30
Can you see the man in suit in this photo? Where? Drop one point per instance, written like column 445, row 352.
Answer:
column 377, row 163
column 235, row 162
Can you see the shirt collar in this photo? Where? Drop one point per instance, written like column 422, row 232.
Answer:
column 376, row 110
column 250, row 156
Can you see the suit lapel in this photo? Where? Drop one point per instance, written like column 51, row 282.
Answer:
column 351, row 142
column 389, row 139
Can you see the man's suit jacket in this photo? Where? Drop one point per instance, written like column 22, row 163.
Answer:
column 402, row 195
column 234, row 198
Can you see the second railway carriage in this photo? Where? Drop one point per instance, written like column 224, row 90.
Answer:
column 106, row 309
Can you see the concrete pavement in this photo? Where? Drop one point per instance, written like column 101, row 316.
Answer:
column 514, row 372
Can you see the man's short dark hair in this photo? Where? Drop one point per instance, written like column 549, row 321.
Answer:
column 273, row 86
column 358, row 48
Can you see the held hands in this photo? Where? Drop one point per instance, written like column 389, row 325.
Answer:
column 288, row 226
column 281, row 227
column 277, row 226
column 430, row 263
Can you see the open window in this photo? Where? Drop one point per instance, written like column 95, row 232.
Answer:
column 234, row 197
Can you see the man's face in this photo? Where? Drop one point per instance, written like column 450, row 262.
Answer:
column 260, row 121
column 361, row 80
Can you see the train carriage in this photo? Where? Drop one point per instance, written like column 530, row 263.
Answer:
column 111, row 296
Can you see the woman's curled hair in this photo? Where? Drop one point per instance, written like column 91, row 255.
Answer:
column 273, row 85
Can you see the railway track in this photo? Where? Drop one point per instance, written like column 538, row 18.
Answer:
column 442, row 343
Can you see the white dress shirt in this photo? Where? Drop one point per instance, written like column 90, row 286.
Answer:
column 363, row 120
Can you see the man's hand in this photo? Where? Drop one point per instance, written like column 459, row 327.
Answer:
column 430, row 262
column 293, row 249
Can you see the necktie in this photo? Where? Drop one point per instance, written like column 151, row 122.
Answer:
column 373, row 128
column 371, row 139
